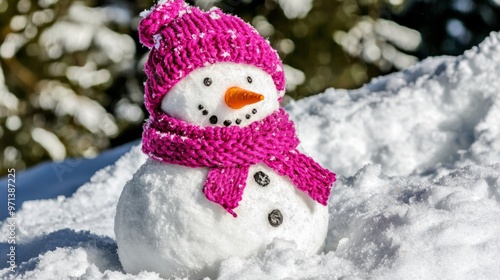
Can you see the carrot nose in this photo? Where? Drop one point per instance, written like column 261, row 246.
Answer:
column 238, row 98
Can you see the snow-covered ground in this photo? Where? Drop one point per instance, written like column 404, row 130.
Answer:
column 51, row 179
column 419, row 195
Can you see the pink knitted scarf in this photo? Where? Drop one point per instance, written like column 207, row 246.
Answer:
column 229, row 151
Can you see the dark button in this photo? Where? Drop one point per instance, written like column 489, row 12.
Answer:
column 205, row 112
column 254, row 111
column 275, row 218
column 200, row 107
column 247, row 116
column 261, row 178
column 214, row 119
column 238, row 121
column 227, row 123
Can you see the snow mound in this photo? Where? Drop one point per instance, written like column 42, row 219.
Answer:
column 397, row 228
column 440, row 113
column 433, row 128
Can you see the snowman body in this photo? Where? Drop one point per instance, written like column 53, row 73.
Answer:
column 164, row 221
column 167, row 225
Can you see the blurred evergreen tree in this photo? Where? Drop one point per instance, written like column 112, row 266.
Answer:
column 69, row 79
column 449, row 27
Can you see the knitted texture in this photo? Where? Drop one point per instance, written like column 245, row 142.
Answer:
column 183, row 38
column 229, row 152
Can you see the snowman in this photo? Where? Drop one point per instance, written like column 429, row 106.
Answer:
column 224, row 176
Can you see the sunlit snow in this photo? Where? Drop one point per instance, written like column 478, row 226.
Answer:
column 418, row 197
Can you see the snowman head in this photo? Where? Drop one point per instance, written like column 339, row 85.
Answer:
column 222, row 94
column 208, row 68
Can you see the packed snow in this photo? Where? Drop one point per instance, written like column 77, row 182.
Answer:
column 442, row 113
column 64, row 178
column 419, row 195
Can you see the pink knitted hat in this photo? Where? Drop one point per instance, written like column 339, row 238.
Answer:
column 183, row 38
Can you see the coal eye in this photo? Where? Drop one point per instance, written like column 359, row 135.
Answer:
column 207, row 81
column 249, row 79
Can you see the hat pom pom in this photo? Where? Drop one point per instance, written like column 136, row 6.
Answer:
column 156, row 18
